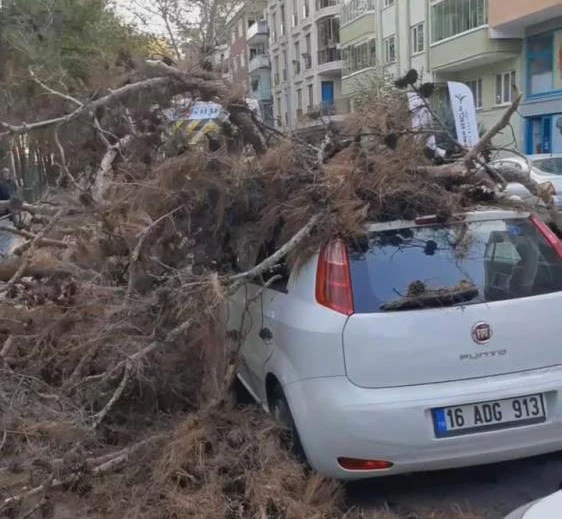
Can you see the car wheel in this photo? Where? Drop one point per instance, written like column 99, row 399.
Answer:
column 280, row 410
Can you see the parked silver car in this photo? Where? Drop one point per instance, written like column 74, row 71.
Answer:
column 418, row 346
column 542, row 169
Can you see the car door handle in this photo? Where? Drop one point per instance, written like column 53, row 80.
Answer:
column 266, row 334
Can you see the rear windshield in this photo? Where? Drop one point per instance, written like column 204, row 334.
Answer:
column 468, row 263
column 551, row 165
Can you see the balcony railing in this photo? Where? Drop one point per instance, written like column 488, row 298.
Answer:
column 322, row 4
column 328, row 55
column 337, row 107
column 259, row 61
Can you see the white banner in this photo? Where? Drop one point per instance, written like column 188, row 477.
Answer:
column 464, row 111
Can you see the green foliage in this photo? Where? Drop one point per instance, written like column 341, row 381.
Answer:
column 71, row 39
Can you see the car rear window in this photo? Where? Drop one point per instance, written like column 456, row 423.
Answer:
column 482, row 261
column 551, row 165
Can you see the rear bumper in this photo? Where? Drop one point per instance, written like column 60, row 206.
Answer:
column 337, row 419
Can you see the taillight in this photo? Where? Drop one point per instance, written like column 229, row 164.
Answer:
column 548, row 234
column 359, row 464
column 333, row 278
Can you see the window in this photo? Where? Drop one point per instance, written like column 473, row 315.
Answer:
column 310, row 96
column 322, row 4
column 281, row 271
column 388, row 3
column 276, row 70
column 360, row 56
column 504, row 259
column 308, row 55
column 297, row 60
column 282, row 20
column 390, row 49
column 352, row 9
column 306, row 9
column 299, row 101
column 243, row 57
column 504, row 87
column 274, row 27
column 452, row 17
column 295, row 13
column 328, row 32
column 417, row 38
column 476, row 87
column 285, row 65
column 540, row 65
column 278, row 103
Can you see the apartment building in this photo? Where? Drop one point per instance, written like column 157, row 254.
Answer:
column 538, row 25
column 238, row 49
column 260, row 68
column 306, row 61
column 445, row 40
column 382, row 38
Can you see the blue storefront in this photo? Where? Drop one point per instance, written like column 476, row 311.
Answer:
column 542, row 107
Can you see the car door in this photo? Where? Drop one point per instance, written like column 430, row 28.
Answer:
column 255, row 308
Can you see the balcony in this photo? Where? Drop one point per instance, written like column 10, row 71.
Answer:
column 260, row 61
column 326, row 8
column 320, row 113
column 258, row 33
column 330, row 61
column 471, row 49
column 509, row 19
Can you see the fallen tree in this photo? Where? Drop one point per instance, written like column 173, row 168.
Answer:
column 113, row 351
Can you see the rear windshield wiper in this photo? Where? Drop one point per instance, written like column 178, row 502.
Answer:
column 419, row 297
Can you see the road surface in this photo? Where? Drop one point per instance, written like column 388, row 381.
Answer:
column 488, row 492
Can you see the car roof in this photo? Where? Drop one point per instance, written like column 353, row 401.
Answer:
column 541, row 156
column 477, row 215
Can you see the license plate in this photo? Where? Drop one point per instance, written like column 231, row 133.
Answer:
column 483, row 416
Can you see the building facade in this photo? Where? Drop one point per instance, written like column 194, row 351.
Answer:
column 444, row 40
column 238, row 49
column 538, row 25
column 306, row 61
column 382, row 38
column 259, row 68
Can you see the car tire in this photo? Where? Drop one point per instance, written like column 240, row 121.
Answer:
column 280, row 410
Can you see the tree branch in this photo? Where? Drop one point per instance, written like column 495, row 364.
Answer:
column 473, row 153
column 270, row 262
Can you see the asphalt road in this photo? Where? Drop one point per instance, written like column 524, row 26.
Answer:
column 489, row 492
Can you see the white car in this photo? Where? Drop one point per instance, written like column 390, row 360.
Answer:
column 419, row 346
column 549, row 507
column 542, row 168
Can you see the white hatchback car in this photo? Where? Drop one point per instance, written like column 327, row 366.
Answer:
column 419, row 346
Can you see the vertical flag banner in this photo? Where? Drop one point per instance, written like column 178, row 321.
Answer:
column 464, row 111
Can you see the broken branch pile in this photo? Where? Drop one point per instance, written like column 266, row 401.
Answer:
column 111, row 324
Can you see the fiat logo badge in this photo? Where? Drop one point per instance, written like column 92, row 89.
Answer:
column 481, row 333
